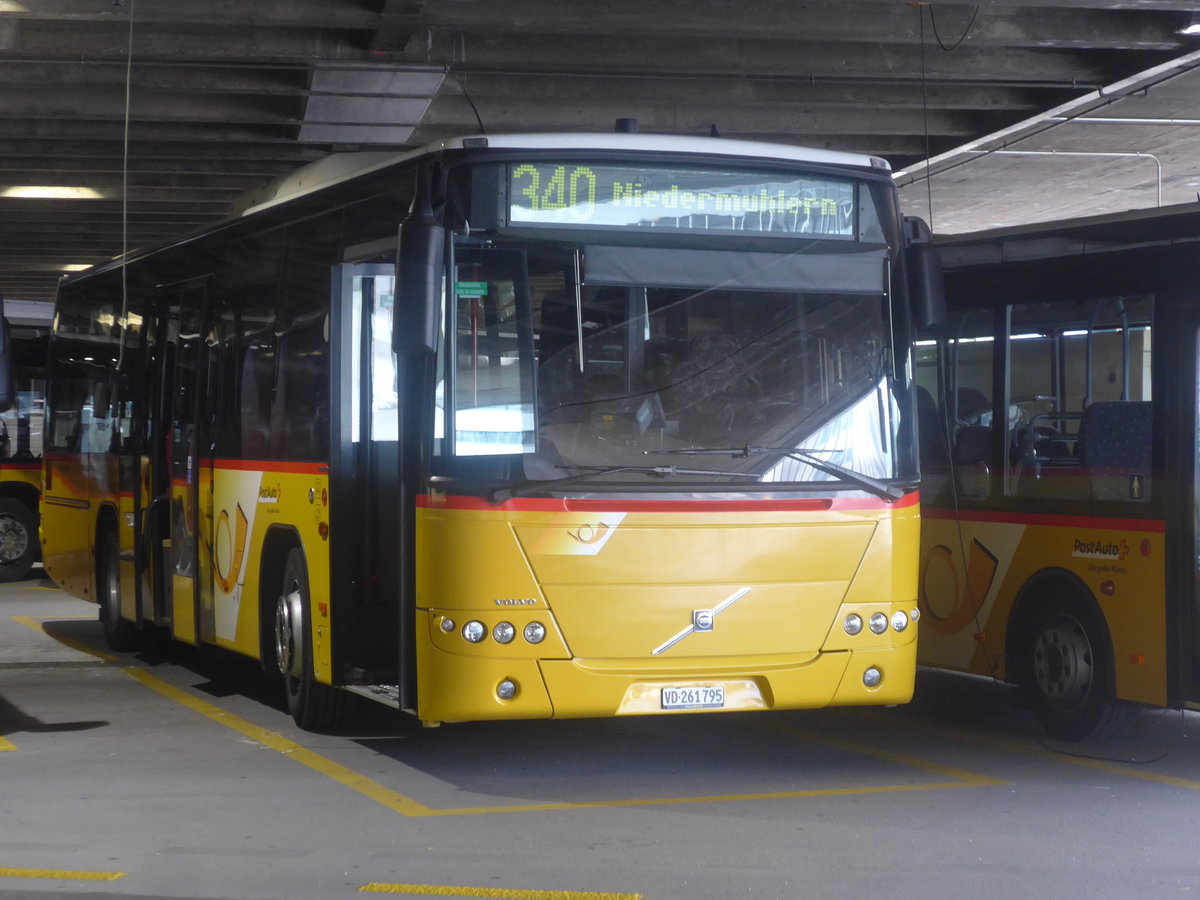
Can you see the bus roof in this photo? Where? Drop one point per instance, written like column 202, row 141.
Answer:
column 341, row 167
column 1073, row 237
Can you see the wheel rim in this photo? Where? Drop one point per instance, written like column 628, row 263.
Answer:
column 14, row 540
column 288, row 646
column 1062, row 663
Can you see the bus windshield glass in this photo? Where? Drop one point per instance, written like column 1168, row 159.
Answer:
column 614, row 363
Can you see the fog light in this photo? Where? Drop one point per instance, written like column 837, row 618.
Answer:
column 506, row 689
column 474, row 631
column 915, row 614
column 504, row 632
column 899, row 620
column 447, row 625
column 853, row 623
column 878, row 623
column 535, row 632
column 872, row 677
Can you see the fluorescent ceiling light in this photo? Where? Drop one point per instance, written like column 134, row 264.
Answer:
column 76, row 267
column 51, row 192
column 1193, row 25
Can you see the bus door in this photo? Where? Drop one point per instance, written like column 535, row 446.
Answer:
column 171, row 476
column 365, row 539
column 1186, row 436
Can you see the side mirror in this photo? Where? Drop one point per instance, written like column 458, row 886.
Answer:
column 6, row 373
column 418, row 287
column 926, row 288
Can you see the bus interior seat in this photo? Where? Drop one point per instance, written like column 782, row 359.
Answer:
column 973, row 444
column 971, row 403
column 1114, row 446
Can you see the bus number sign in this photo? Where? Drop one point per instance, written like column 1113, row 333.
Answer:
column 676, row 199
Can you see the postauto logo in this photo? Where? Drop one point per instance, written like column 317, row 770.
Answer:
column 1100, row 548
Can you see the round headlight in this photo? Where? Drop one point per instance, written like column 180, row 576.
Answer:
column 535, row 632
column 915, row 614
column 504, row 632
column 878, row 623
column 872, row 677
column 899, row 620
column 506, row 689
column 447, row 625
column 853, row 623
column 474, row 631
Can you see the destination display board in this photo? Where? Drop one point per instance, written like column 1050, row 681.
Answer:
column 680, row 199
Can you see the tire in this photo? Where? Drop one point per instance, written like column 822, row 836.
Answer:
column 18, row 539
column 120, row 634
column 1069, row 672
column 312, row 705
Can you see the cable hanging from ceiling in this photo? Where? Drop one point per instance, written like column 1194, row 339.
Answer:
column 124, row 322
column 925, row 85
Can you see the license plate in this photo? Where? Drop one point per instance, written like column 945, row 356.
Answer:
column 703, row 696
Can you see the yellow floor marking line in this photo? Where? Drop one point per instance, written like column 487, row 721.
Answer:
column 962, row 777
column 406, row 806
column 437, row 890
column 6, row 744
column 35, row 622
column 60, row 874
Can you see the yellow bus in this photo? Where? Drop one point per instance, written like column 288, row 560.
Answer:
column 512, row 427
column 21, row 444
column 1059, row 455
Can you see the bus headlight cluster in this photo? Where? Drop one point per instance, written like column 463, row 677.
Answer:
column 877, row 623
column 475, row 632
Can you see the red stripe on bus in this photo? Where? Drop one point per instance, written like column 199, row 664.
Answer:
column 272, row 465
column 810, row 504
column 25, row 467
column 1107, row 523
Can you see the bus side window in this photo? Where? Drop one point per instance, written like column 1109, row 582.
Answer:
column 1078, row 386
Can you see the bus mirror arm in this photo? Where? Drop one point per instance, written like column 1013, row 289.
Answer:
column 419, row 288
column 927, row 293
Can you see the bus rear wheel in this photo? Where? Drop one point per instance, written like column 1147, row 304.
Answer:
column 312, row 705
column 18, row 539
column 1070, row 673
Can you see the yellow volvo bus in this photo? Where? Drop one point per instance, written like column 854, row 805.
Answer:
column 1059, row 453
column 524, row 426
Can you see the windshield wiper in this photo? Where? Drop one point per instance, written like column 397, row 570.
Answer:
column 874, row 485
column 582, row 473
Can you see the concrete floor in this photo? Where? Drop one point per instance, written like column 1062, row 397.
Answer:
column 140, row 776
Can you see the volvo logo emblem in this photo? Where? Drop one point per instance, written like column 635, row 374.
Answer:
column 702, row 620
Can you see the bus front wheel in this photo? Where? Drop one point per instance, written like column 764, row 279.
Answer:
column 1070, row 674
column 312, row 705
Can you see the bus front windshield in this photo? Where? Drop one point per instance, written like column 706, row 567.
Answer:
column 623, row 365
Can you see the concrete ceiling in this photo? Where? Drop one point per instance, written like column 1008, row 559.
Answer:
column 158, row 114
